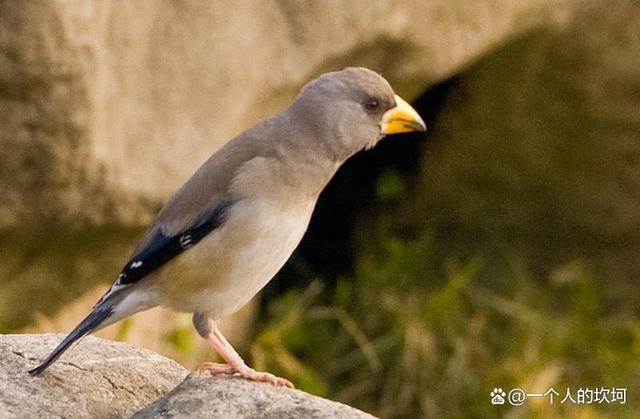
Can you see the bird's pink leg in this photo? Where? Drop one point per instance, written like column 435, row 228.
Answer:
column 235, row 364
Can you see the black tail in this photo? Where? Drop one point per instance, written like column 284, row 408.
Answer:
column 96, row 318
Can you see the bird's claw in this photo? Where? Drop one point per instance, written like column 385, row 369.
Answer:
column 244, row 372
column 215, row 368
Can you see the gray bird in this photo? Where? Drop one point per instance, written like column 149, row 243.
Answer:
column 236, row 221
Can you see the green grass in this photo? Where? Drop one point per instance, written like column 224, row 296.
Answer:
column 404, row 337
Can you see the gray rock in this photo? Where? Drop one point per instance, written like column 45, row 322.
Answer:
column 547, row 128
column 106, row 108
column 103, row 379
column 96, row 379
column 203, row 396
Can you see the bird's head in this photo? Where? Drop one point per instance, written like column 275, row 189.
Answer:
column 354, row 108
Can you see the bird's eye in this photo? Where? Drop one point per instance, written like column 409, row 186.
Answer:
column 371, row 105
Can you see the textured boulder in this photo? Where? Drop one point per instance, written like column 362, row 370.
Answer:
column 103, row 379
column 108, row 107
column 95, row 379
column 553, row 138
column 207, row 397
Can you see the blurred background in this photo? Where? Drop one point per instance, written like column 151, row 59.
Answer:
column 501, row 249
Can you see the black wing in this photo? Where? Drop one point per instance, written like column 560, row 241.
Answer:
column 161, row 248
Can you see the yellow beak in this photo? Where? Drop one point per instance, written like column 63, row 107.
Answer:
column 401, row 118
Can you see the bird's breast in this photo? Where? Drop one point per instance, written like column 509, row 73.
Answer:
column 231, row 264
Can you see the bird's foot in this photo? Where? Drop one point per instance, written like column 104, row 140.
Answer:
column 244, row 372
column 215, row 368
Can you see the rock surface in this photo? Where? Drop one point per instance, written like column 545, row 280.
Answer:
column 108, row 107
column 554, row 138
column 207, row 397
column 95, row 379
column 103, row 379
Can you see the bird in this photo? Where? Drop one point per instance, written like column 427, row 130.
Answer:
column 231, row 227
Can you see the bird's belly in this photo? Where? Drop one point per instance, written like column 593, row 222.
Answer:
column 230, row 265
